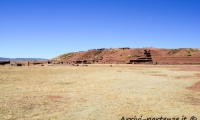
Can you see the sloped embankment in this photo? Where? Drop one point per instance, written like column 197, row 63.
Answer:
column 119, row 55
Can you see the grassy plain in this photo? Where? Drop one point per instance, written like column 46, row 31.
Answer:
column 97, row 92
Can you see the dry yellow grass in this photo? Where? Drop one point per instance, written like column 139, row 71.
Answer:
column 96, row 92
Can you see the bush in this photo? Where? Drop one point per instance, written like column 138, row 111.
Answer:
column 129, row 56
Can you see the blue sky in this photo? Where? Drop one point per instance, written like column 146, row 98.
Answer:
column 48, row 28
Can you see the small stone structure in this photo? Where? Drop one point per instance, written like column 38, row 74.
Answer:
column 4, row 62
column 124, row 48
column 145, row 58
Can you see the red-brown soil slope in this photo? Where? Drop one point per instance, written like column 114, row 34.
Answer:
column 132, row 55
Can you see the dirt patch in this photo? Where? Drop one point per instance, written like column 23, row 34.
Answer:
column 159, row 75
column 197, row 75
column 182, row 77
column 64, row 83
column 190, row 68
column 54, row 97
column 186, row 68
column 193, row 100
column 195, row 87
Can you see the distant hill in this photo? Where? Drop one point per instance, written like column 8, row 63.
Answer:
column 128, row 55
column 25, row 59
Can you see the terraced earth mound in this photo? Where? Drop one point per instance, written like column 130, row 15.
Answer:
column 132, row 56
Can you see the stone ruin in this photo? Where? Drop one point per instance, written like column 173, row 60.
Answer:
column 4, row 62
column 145, row 58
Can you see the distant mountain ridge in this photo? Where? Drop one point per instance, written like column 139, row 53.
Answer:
column 25, row 59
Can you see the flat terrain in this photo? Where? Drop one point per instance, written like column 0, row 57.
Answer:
column 99, row 92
